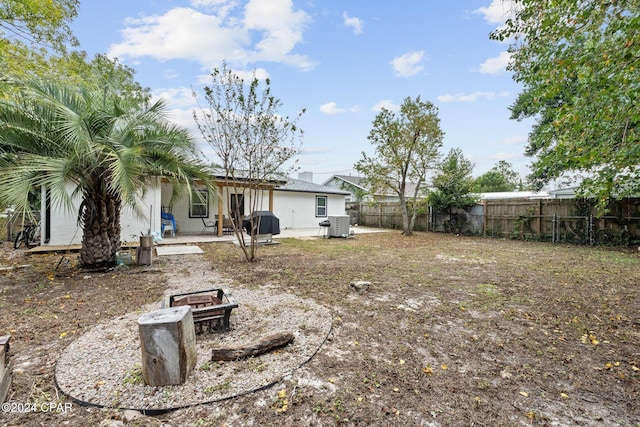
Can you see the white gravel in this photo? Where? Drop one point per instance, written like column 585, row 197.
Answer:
column 102, row 367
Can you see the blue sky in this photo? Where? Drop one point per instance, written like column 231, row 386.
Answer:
column 339, row 60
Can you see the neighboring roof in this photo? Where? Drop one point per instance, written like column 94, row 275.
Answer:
column 357, row 182
column 353, row 180
column 563, row 193
column 514, row 195
column 309, row 187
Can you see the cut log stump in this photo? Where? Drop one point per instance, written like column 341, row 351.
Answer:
column 168, row 344
column 5, row 367
column 254, row 349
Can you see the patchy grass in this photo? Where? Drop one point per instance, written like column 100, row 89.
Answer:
column 452, row 331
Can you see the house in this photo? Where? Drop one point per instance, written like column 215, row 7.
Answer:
column 360, row 192
column 296, row 203
column 302, row 204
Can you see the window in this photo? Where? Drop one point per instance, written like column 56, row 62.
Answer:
column 199, row 204
column 321, row 206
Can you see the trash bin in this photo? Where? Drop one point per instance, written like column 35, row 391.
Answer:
column 144, row 253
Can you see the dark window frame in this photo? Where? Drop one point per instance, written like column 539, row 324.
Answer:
column 197, row 204
column 319, row 207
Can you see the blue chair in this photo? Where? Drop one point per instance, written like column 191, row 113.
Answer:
column 167, row 223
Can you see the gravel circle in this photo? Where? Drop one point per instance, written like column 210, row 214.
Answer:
column 103, row 366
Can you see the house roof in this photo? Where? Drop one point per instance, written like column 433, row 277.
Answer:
column 239, row 177
column 357, row 182
column 309, row 187
column 353, row 180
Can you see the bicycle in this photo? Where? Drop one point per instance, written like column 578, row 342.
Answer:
column 30, row 236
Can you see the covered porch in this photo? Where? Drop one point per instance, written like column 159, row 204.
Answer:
column 205, row 212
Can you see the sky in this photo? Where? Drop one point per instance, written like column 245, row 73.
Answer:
column 340, row 60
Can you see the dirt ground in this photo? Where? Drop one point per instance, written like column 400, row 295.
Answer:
column 452, row 331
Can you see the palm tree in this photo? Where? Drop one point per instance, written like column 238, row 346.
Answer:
column 108, row 144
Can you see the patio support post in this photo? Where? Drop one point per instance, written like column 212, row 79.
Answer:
column 220, row 209
column 271, row 199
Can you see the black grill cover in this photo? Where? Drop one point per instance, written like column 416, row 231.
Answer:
column 264, row 222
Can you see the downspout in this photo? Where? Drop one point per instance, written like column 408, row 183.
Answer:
column 47, row 215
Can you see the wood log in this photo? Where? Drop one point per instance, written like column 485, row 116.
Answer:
column 4, row 350
column 254, row 349
column 168, row 345
column 5, row 367
column 5, row 382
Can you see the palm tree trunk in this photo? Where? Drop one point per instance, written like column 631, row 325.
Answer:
column 101, row 233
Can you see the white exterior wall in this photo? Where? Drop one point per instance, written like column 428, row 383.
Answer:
column 293, row 209
column 180, row 207
column 298, row 210
column 65, row 229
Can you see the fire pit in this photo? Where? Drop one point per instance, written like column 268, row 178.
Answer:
column 211, row 309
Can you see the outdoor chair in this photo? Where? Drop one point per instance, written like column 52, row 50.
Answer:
column 209, row 224
column 227, row 225
column 168, row 223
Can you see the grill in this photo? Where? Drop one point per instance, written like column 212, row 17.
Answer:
column 211, row 309
column 264, row 223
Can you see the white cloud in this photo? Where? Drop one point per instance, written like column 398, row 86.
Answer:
column 332, row 108
column 224, row 32
column 259, row 73
column 213, row 4
column 497, row 12
column 385, row 103
column 472, row 97
column 408, row 64
column 496, row 65
column 176, row 97
column 355, row 23
column 282, row 28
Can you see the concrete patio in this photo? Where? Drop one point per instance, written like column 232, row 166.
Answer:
column 294, row 233
column 184, row 239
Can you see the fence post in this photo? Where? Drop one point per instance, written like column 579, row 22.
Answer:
column 539, row 219
column 484, row 218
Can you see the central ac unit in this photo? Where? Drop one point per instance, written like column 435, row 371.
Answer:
column 339, row 226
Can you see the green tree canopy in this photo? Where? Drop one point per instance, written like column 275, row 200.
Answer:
column 406, row 148
column 98, row 138
column 501, row 177
column 579, row 64
column 491, row 182
column 453, row 183
column 31, row 31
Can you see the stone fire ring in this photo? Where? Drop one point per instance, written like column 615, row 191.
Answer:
column 103, row 366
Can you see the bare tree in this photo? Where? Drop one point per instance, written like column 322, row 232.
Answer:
column 254, row 144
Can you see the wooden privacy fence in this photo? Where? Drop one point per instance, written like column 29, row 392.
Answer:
column 554, row 220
